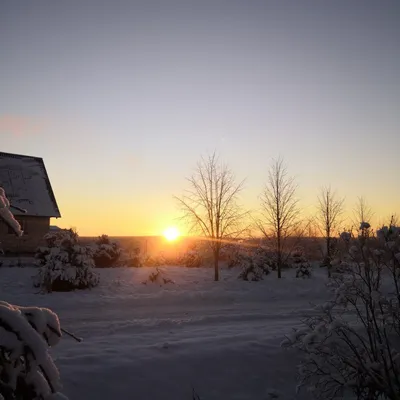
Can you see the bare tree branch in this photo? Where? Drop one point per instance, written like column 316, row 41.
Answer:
column 210, row 206
column 362, row 212
column 279, row 209
column 330, row 212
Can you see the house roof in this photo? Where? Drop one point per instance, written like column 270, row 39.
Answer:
column 27, row 185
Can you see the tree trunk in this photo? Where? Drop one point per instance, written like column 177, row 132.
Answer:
column 328, row 247
column 216, row 267
column 328, row 255
column 279, row 261
column 279, row 266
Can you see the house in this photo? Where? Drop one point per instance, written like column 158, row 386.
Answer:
column 27, row 186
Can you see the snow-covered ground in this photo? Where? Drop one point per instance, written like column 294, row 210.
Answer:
column 151, row 342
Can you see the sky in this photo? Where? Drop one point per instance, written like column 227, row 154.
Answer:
column 121, row 98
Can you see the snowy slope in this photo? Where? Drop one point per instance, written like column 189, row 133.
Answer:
column 151, row 342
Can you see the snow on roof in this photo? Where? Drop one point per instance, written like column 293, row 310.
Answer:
column 27, row 185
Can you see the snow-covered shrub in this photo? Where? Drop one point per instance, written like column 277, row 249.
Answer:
column 234, row 260
column 162, row 259
column 341, row 260
column 300, row 262
column 345, row 236
column 192, row 258
column 251, row 271
column 41, row 255
column 170, row 260
column 227, row 251
column 341, row 266
column 106, row 253
column 255, row 265
column 271, row 258
column 153, row 261
column 27, row 371
column 159, row 276
column 232, row 254
column 364, row 226
column 135, row 259
column 333, row 243
column 352, row 343
column 64, row 264
column 389, row 235
column 364, row 230
column 304, row 270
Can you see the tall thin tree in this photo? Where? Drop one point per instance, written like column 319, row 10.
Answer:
column 279, row 210
column 330, row 212
column 362, row 212
column 211, row 205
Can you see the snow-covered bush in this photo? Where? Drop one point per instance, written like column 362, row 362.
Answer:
column 27, row 371
column 341, row 266
column 232, row 254
column 106, row 253
column 304, row 271
column 163, row 259
column 352, row 343
column 251, row 270
column 345, row 236
column 227, row 251
column 153, row 261
column 234, row 259
column 192, row 258
column 326, row 262
column 135, row 259
column 364, row 226
column 341, row 259
column 64, row 264
column 255, row 265
column 159, row 276
column 300, row 262
column 364, row 229
column 271, row 258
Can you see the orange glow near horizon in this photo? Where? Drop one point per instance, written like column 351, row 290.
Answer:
column 152, row 217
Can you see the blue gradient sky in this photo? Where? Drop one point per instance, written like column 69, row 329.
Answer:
column 121, row 98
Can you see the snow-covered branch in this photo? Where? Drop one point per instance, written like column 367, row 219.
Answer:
column 352, row 342
column 27, row 370
column 6, row 215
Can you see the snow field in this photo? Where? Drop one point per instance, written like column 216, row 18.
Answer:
column 151, row 342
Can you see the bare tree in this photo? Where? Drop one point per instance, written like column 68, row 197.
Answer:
column 309, row 237
column 362, row 212
column 210, row 206
column 311, row 228
column 330, row 211
column 279, row 210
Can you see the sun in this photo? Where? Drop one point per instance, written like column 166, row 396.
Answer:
column 171, row 233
